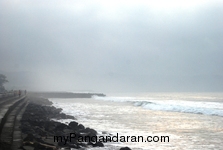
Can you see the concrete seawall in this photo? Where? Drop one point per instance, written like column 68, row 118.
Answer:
column 10, row 109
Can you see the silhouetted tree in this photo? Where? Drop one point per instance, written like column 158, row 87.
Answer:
column 3, row 80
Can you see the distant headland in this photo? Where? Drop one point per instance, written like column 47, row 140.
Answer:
column 64, row 94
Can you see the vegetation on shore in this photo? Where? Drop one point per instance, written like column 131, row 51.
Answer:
column 3, row 80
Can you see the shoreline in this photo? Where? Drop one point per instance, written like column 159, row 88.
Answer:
column 39, row 129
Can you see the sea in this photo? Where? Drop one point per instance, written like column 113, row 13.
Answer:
column 188, row 121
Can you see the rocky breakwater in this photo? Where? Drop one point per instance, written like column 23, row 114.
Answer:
column 40, row 132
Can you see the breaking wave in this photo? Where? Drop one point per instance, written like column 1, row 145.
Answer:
column 196, row 107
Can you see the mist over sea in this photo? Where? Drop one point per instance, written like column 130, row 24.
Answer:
column 122, row 45
column 191, row 120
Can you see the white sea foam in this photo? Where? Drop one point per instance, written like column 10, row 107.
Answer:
column 109, row 114
column 68, row 108
column 197, row 107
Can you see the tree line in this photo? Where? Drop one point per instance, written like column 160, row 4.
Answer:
column 3, row 80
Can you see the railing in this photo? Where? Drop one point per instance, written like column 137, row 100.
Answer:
column 11, row 93
column 8, row 94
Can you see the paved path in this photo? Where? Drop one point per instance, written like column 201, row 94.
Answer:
column 11, row 110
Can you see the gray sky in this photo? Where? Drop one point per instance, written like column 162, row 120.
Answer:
column 112, row 46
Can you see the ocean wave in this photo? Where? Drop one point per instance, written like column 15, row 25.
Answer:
column 196, row 107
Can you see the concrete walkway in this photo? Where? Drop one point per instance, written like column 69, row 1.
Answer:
column 11, row 110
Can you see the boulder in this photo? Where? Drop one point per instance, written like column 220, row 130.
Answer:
column 73, row 124
column 125, row 148
column 98, row 144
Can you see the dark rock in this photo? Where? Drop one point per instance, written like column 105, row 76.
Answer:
column 98, row 144
column 70, row 117
column 73, row 124
column 83, row 145
column 92, row 131
column 62, row 115
column 125, row 148
column 81, row 127
column 38, row 146
column 38, row 128
column 74, row 146
column 61, row 144
column 29, row 137
column 61, row 127
column 59, row 133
